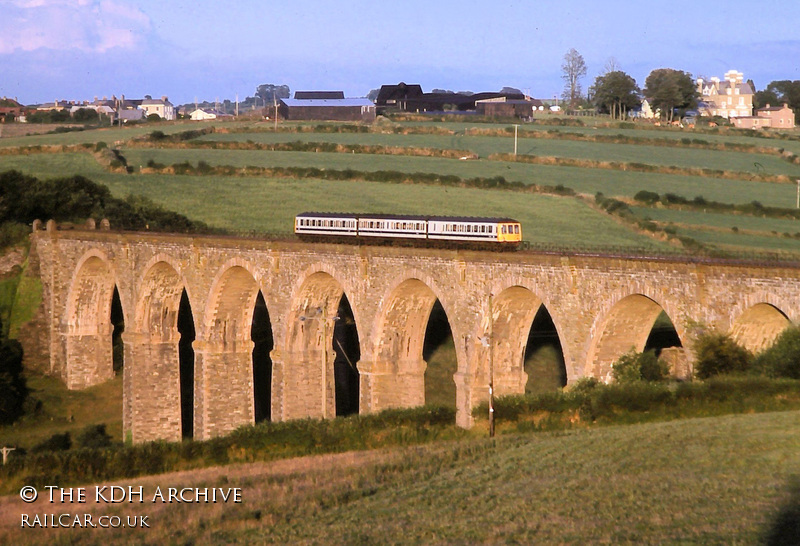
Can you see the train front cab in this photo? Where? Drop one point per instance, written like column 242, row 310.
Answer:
column 509, row 232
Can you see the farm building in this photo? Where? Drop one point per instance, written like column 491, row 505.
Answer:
column 410, row 98
column 776, row 117
column 326, row 106
column 206, row 114
column 503, row 107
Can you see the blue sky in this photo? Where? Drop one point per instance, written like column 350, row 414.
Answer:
column 78, row 49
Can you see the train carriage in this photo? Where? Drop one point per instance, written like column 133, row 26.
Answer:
column 499, row 230
column 394, row 226
column 326, row 223
column 478, row 232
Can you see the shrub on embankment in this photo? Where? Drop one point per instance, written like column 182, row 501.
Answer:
column 262, row 442
column 24, row 199
column 590, row 402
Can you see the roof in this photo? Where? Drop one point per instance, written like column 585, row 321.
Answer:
column 147, row 102
column 308, row 95
column 399, row 91
column 131, row 114
column 772, row 108
column 293, row 103
column 744, row 87
column 378, row 216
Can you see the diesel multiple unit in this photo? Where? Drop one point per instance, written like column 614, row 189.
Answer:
column 462, row 230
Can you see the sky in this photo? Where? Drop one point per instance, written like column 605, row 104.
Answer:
column 209, row 50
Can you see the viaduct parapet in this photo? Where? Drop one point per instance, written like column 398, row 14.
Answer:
column 601, row 308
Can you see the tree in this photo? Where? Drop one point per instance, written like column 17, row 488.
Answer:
column 86, row 115
column 573, row 68
column 668, row 89
column 615, row 93
column 786, row 91
column 13, row 389
column 762, row 98
column 270, row 93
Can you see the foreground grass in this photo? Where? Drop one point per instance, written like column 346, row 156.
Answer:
column 697, row 481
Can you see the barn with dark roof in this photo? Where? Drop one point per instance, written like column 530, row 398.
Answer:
column 326, row 106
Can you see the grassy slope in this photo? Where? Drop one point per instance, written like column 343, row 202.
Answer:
column 63, row 410
column 697, row 481
column 269, row 205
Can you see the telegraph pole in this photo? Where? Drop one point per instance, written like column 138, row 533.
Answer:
column 490, row 334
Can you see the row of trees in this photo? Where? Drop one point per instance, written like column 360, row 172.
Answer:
column 616, row 93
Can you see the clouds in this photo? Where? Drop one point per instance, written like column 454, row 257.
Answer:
column 91, row 26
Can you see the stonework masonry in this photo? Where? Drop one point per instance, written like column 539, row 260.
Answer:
column 601, row 307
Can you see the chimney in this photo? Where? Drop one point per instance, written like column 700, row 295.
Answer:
column 164, row 98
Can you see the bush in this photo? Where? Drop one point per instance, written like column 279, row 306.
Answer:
column 94, row 436
column 56, row 442
column 718, row 354
column 649, row 197
column 783, row 358
column 633, row 367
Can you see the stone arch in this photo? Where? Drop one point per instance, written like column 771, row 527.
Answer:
column 224, row 359
column 230, row 305
column 538, row 297
column 307, row 371
column 513, row 312
column 155, row 413
column 625, row 326
column 343, row 278
column 88, row 328
column 398, row 367
column 759, row 326
column 160, row 289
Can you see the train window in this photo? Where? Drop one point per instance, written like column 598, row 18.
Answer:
column 504, row 229
column 516, row 230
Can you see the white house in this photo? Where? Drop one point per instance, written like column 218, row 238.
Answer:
column 161, row 107
column 205, row 114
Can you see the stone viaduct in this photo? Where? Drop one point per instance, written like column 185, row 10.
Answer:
column 601, row 308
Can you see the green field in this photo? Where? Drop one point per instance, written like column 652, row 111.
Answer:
column 264, row 204
column 719, row 220
column 269, row 205
column 711, row 481
column 597, row 151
